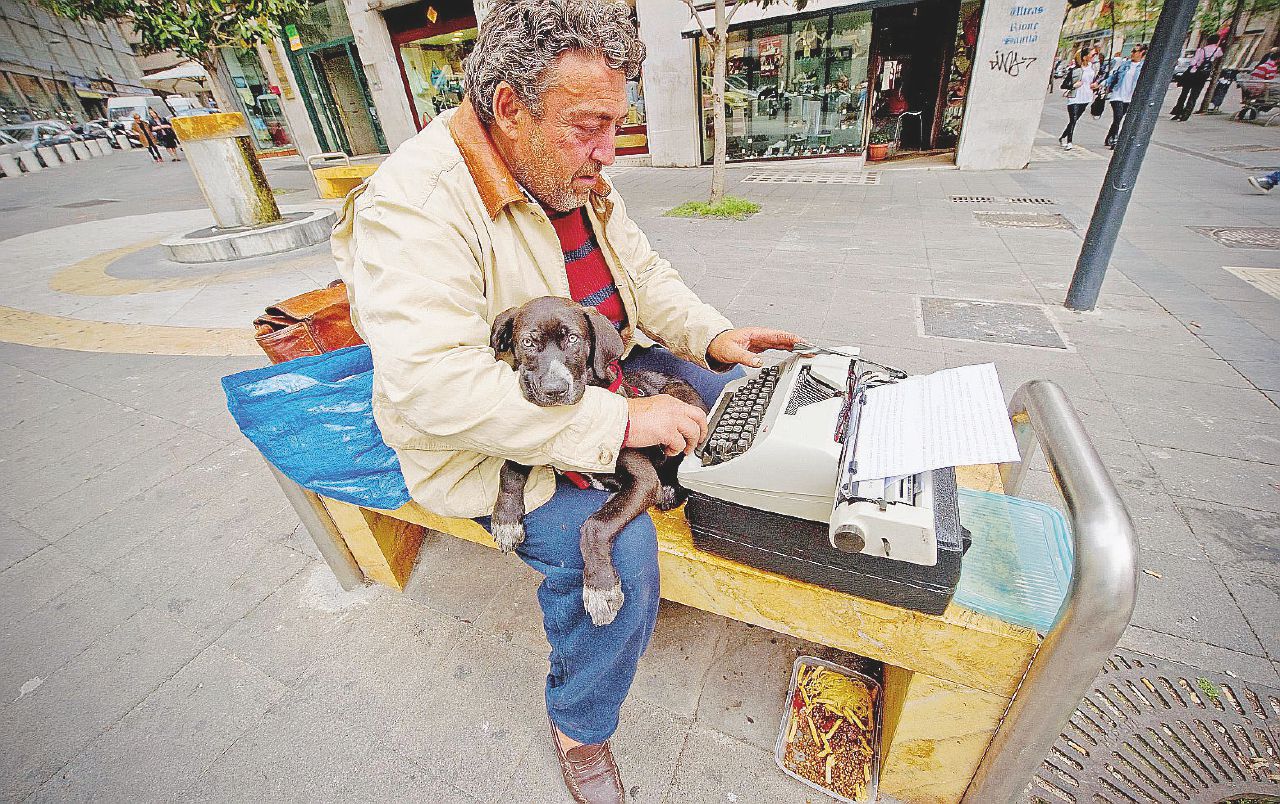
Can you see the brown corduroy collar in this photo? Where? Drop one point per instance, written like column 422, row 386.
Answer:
column 493, row 178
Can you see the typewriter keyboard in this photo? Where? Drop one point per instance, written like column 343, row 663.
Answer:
column 734, row 424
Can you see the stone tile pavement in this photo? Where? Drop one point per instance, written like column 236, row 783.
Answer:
column 170, row 634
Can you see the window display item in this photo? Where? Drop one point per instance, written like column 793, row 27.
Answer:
column 830, row 733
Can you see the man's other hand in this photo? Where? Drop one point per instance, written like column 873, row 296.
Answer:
column 744, row 344
column 665, row 421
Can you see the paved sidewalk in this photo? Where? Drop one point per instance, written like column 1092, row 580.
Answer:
column 170, row 634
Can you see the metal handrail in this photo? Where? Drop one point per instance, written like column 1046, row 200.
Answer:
column 1099, row 601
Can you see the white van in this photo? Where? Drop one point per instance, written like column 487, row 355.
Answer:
column 179, row 103
column 121, row 109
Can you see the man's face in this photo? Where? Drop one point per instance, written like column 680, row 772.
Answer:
column 1137, row 54
column 558, row 156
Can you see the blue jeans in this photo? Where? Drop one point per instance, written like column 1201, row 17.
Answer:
column 592, row 667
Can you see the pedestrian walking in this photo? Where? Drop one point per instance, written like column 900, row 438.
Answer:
column 1120, row 84
column 147, row 136
column 1196, row 76
column 1078, row 87
column 1265, row 183
column 165, row 134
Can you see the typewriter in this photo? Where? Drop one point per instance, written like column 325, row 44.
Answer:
column 765, row 489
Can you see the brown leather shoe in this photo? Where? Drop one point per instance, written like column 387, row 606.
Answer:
column 589, row 772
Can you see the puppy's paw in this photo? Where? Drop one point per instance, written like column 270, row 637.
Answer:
column 603, row 604
column 508, row 535
column 670, row 497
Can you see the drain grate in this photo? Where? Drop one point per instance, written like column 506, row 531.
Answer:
column 1041, row 201
column 1241, row 236
column 90, row 203
column 870, row 177
column 1155, row 731
column 989, row 322
column 1247, row 149
column 973, row 199
column 1056, row 153
column 1266, row 280
column 1023, row 220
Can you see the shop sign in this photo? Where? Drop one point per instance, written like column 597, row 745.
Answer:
column 285, row 89
column 770, row 50
column 291, row 33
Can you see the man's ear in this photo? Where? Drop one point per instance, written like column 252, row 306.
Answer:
column 606, row 343
column 507, row 109
column 500, row 335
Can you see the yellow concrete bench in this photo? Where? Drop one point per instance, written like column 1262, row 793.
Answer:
column 972, row 704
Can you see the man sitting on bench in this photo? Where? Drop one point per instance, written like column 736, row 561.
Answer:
column 493, row 204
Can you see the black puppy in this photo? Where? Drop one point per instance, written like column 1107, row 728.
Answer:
column 559, row 348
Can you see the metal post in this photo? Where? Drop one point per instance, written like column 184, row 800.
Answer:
column 1131, row 148
column 1099, row 601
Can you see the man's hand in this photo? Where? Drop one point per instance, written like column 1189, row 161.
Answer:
column 666, row 421
column 742, row 345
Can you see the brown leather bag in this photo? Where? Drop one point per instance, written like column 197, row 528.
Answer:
column 310, row 324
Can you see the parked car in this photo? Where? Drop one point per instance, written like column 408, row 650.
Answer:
column 40, row 133
column 96, row 131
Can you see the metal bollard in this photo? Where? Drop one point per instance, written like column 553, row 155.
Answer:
column 49, row 155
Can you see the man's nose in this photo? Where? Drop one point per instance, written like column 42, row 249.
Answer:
column 605, row 149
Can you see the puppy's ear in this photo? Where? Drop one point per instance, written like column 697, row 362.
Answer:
column 606, row 343
column 500, row 334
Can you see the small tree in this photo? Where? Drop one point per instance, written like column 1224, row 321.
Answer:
column 718, row 39
column 192, row 28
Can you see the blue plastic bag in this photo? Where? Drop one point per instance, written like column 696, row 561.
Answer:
column 312, row 418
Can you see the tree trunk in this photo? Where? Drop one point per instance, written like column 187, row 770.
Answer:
column 1217, row 68
column 719, row 54
column 222, row 91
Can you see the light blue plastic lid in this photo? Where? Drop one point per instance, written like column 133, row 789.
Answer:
column 1019, row 565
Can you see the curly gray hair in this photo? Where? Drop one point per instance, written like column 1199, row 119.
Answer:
column 519, row 40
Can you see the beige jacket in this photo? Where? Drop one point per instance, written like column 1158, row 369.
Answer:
column 439, row 242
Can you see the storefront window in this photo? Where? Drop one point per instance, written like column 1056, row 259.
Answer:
column 256, row 102
column 433, row 71
column 792, row 88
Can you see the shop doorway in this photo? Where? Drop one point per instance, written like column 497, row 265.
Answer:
column 910, row 52
column 350, row 98
column 338, row 98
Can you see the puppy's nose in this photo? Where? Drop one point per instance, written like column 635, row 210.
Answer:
column 555, row 390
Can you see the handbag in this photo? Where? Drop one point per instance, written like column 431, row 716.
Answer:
column 312, row 323
column 1099, row 105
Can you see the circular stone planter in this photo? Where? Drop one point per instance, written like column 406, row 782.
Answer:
column 298, row 229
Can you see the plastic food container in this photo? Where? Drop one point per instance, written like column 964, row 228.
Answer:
column 830, row 734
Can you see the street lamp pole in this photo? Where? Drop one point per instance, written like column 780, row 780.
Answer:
column 53, row 66
column 1131, row 149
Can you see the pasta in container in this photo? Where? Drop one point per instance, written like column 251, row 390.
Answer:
column 830, row 735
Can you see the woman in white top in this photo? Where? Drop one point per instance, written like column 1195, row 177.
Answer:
column 1081, row 78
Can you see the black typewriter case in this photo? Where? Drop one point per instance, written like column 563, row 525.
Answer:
column 799, row 549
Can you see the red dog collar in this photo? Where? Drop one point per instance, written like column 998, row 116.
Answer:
column 616, row 386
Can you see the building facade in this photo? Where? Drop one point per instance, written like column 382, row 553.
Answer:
column 55, row 68
column 1115, row 26
column 824, row 81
